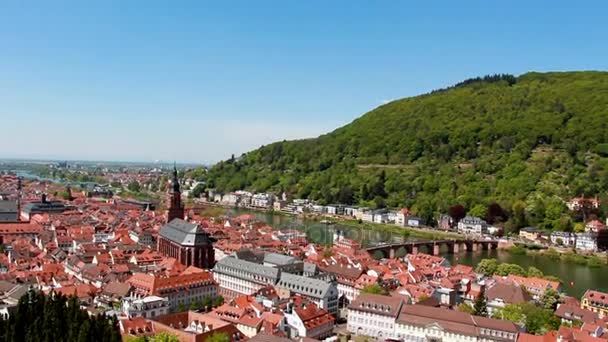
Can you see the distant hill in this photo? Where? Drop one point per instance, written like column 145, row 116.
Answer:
column 527, row 143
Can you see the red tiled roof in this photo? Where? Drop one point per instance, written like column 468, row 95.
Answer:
column 312, row 316
column 596, row 296
column 20, row 228
column 154, row 284
column 533, row 282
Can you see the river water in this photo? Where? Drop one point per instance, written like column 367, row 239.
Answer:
column 576, row 278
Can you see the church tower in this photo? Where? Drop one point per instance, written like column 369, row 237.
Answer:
column 175, row 207
column 19, row 191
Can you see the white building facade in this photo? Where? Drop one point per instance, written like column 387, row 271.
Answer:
column 374, row 316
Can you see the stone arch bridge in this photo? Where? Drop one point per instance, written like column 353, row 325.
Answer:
column 434, row 246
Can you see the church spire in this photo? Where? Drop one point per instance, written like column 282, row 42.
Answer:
column 175, row 207
column 19, row 190
column 175, row 180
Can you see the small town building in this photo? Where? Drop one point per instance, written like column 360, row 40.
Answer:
column 306, row 319
column 472, row 225
column 181, row 290
column 566, row 239
column 586, row 242
column 594, row 226
column 400, row 218
column 43, row 206
column 324, row 293
column 503, row 294
column 243, row 277
column 420, row 323
column 596, row 301
column 374, row 316
column 534, row 285
column 530, row 233
column 147, row 307
column 578, row 203
column 335, row 209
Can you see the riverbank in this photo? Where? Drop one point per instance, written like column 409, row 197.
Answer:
column 399, row 231
column 568, row 256
column 423, row 233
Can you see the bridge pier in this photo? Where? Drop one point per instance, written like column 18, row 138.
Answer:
column 409, row 248
column 455, row 248
column 450, row 246
column 435, row 249
column 414, row 249
column 391, row 253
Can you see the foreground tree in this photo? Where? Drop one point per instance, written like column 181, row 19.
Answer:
column 218, row 301
column 550, row 299
column 134, row 186
column 535, row 272
column 163, row 337
column 218, row 337
column 374, row 289
column 55, row 318
column 537, row 320
column 506, row 269
column 487, row 267
column 480, row 308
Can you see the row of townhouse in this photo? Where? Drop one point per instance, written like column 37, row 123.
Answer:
column 582, row 241
column 594, row 238
column 588, row 241
column 401, row 217
column 242, row 198
column 383, row 317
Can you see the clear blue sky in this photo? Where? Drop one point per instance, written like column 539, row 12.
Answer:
column 197, row 81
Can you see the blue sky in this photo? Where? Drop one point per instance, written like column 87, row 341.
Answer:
column 198, row 81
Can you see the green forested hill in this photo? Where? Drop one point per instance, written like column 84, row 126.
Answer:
column 527, row 143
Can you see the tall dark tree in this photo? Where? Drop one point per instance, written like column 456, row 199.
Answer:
column 496, row 213
column 55, row 318
column 378, row 187
column 364, row 192
column 346, row 195
column 134, row 186
column 480, row 308
column 457, row 212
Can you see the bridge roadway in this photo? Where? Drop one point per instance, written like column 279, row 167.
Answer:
column 434, row 246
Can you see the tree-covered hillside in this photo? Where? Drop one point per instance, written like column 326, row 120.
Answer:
column 527, row 143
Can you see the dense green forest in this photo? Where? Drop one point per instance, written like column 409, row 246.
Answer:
column 55, row 318
column 526, row 143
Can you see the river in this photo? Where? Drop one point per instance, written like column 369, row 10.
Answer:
column 29, row 175
column 576, row 278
